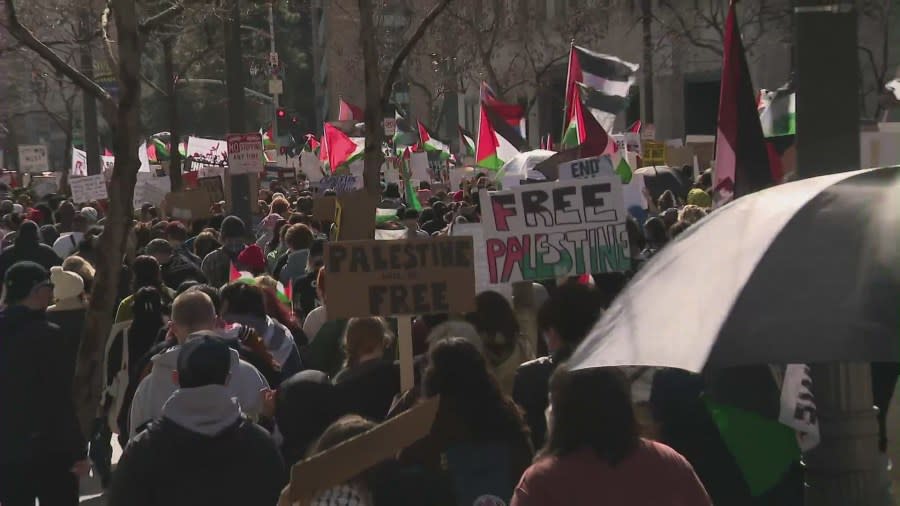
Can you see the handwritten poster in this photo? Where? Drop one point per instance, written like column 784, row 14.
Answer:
column 88, row 188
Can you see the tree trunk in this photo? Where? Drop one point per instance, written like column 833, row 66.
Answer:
column 174, row 135
column 647, row 83
column 88, row 374
column 374, row 113
column 237, row 121
column 67, row 160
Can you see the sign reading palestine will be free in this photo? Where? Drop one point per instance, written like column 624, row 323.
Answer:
column 550, row 230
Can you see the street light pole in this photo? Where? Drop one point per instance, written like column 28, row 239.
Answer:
column 274, row 68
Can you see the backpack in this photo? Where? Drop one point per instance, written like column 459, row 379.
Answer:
column 480, row 473
column 114, row 394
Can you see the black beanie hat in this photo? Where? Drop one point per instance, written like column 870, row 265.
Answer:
column 232, row 228
column 21, row 278
column 203, row 360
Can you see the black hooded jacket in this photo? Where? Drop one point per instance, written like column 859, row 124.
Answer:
column 28, row 247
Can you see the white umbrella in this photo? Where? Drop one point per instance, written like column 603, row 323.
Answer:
column 804, row 272
column 516, row 168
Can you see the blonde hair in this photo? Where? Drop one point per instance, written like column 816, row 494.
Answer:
column 266, row 281
column 691, row 214
column 364, row 336
column 81, row 267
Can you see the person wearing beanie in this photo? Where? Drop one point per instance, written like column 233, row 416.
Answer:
column 49, row 235
column 90, row 214
column 68, row 311
column 175, row 268
column 28, row 246
column 208, row 451
column 700, row 198
column 252, row 259
column 43, row 451
column 217, row 264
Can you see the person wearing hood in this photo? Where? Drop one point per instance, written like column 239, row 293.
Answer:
column 292, row 264
column 369, row 381
column 202, row 450
column 68, row 311
column 177, row 235
column 28, row 246
column 217, row 265
column 193, row 315
column 305, row 405
column 42, row 451
column 245, row 304
column 145, row 271
column 503, row 345
column 175, row 268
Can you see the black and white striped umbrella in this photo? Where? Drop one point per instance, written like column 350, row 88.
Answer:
column 804, row 272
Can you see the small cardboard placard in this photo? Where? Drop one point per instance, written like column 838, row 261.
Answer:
column 213, row 186
column 587, row 168
column 88, row 188
column 402, row 277
column 187, row 205
column 350, row 458
column 355, row 216
column 324, row 208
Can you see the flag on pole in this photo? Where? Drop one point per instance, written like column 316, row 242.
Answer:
column 635, row 127
column 466, row 141
column 349, row 112
column 623, row 169
column 337, row 148
column 778, row 112
column 547, row 142
column 512, row 114
column 412, row 198
column 107, row 152
column 430, row 144
column 609, row 76
column 498, row 141
column 160, row 150
column 151, row 152
column 233, row 273
column 486, row 92
column 742, row 161
column 583, row 129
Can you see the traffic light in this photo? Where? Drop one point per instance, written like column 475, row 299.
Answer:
column 281, row 117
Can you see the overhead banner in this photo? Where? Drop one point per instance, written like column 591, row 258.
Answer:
column 402, row 277
column 550, row 230
column 33, row 158
column 88, row 188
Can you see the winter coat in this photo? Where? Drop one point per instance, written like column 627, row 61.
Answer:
column 277, row 338
column 369, row 388
column 71, row 325
column 21, row 250
column 530, row 391
column 180, row 269
column 291, row 266
column 37, row 414
column 201, row 452
column 325, row 353
column 154, row 390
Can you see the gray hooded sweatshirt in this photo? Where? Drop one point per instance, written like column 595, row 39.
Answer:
column 206, row 410
column 154, row 390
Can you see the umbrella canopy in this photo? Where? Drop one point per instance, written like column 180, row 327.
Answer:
column 517, row 167
column 659, row 178
column 804, row 272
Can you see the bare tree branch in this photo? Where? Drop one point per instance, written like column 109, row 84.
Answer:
column 160, row 19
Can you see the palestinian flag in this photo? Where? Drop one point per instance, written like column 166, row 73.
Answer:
column 337, row 148
column 623, row 169
column 498, row 141
column 635, row 127
column 404, row 135
column 311, row 145
column 486, row 92
column 349, row 112
column 466, row 141
column 268, row 137
column 547, row 142
column 512, row 114
column 412, row 198
column 431, row 145
column 778, row 112
column 583, row 129
column 742, row 160
column 160, row 150
column 610, row 77
column 107, row 152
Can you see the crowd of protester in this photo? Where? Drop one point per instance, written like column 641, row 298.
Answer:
column 216, row 385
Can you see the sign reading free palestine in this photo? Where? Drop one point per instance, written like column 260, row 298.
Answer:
column 555, row 229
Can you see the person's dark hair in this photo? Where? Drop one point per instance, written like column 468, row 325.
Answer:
column 202, row 361
column 145, row 272
column 496, row 323
column 305, row 205
column 46, row 214
column 206, row 243
column 243, row 298
column 458, row 372
column 148, row 315
column 176, row 231
column 346, row 427
column 28, row 235
column 424, row 185
column 298, row 237
column 277, row 232
column 410, row 214
column 426, row 215
column 677, row 229
column 280, row 205
column 210, row 291
column 392, row 191
column 655, row 232
column 299, row 424
column 571, row 311
column 49, row 235
column 591, row 408
column 666, row 200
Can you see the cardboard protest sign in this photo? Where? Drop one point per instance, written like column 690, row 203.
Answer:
column 88, row 188
column 245, row 153
column 586, row 168
column 79, row 163
column 44, row 185
column 350, row 458
column 211, row 171
column 187, row 205
column 324, row 208
column 145, row 180
column 403, row 277
column 418, row 166
column 550, row 230
column 213, row 186
column 354, row 216
column 33, row 158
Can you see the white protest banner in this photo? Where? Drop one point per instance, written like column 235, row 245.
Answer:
column 33, row 158
column 245, row 153
column 550, row 230
column 211, row 151
column 311, row 166
column 88, row 188
column 798, row 406
column 146, row 179
column 79, row 162
column 482, row 276
column 144, row 157
column 391, row 175
column 586, row 168
column 418, row 166
column 343, row 183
